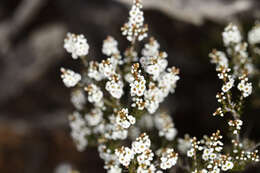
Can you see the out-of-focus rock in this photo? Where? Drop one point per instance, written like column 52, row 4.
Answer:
column 196, row 11
column 31, row 59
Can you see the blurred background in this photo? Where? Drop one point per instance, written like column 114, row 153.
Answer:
column 34, row 104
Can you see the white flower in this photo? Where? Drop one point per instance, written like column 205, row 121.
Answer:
column 227, row 166
column 245, row 88
column 134, row 132
column 231, row 35
column 153, row 97
column 254, row 35
column 219, row 58
column 95, row 95
column 169, row 133
column 123, row 119
column 110, row 46
column 69, row 77
column 93, row 71
column 107, row 68
column 76, row 45
column 145, row 158
column 114, row 131
column 207, row 153
column 138, row 84
column 164, row 124
column 78, row 99
column 168, row 80
column 154, row 65
column 146, row 169
column 114, row 169
column 129, row 78
column 141, row 144
column 146, row 122
column 115, row 87
column 134, row 28
column 227, row 86
column 168, row 159
column 79, row 130
column 184, row 144
column 94, row 117
column 191, row 152
column 125, row 155
column 151, row 48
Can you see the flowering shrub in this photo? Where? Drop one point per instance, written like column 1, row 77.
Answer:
column 117, row 104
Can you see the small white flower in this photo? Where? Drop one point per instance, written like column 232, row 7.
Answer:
column 154, row 65
column 79, row 130
column 123, row 119
column 145, row 158
column 125, row 155
column 110, row 46
column 76, row 45
column 138, row 84
column 134, row 28
column 254, row 35
column 190, row 152
column 219, row 58
column 95, row 95
column 231, row 35
column 184, row 144
column 78, row 99
column 114, row 131
column 146, row 169
column 227, row 166
column 69, row 77
column 164, row 124
column 151, row 48
column 227, row 86
column 114, row 169
column 93, row 71
column 168, row 159
column 141, row 144
column 107, row 68
column 94, row 117
column 245, row 88
column 115, row 87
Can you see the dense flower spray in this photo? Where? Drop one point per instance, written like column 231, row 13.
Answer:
column 117, row 104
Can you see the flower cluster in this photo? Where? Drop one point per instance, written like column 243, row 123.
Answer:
column 77, row 45
column 144, row 156
column 95, row 95
column 123, row 119
column 79, row 130
column 113, row 131
column 213, row 159
column 156, row 91
column 94, row 117
column 168, row 158
column 119, row 97
column 236, row 124
column 165, row 125
column 78, row 99
column 138, row 85
column 254, row 35
column 110, row 46
column 69, row 77
column 233, row 71
column 135, row 29
column 125, row 155
column 244, row 86
column 111, row 163
column 231, row 35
